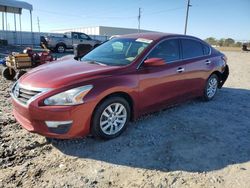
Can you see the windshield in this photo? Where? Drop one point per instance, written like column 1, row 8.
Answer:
column 117, row 51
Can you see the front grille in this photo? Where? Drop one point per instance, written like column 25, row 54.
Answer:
column 23, row 95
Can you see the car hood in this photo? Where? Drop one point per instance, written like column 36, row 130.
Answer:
column 64, row 72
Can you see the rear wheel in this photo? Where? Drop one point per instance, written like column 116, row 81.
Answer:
column 211, row 87
column 110, row 118
column 9, row 73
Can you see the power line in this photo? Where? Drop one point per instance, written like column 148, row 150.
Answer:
column 109, row 17
column 80, row 17
column 89, row 17
column 163, row 11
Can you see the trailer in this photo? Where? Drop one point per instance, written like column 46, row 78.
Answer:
column 17, row 64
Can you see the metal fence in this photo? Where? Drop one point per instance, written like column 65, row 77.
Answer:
column 29, row 38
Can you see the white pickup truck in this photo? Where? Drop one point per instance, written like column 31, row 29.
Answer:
column 61, row 43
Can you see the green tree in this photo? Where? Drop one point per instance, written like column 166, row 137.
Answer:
column 221, row 42
column 211, row 41
column 229, row 42
column 238, row 44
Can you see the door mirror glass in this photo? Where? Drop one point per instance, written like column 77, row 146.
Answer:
column 151, row 62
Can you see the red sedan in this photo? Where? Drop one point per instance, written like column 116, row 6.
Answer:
column 117, row 82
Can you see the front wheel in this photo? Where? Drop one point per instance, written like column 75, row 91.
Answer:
column 8, row 73
column 110, row 118
column 60, row 48
column 211, row 87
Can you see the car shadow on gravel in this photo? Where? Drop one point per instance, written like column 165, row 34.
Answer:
column 195, row 136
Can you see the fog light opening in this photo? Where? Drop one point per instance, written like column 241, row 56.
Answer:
column 56, row 124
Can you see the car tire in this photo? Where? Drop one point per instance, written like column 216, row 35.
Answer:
column 211, row 87
column 6, row 73
column 60, row 48
column 110, row 118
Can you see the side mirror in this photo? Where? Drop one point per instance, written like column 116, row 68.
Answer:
column 152, row 62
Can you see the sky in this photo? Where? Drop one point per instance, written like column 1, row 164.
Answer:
column 207, row 18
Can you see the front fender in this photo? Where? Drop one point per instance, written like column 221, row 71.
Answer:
column 127, row 84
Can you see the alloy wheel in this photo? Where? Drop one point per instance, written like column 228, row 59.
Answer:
column 212, row 87
column 113, row 118
column 60, row 49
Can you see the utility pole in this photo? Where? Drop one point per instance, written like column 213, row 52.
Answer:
column 139, row 21
column 6, row 21
column 188, row 5
column 38, row 24
column 2, row 36
column 3, row 20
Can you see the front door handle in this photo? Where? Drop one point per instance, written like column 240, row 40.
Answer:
column 208, row 62
column 180, row 70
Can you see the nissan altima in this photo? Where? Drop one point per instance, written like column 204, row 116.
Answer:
column 117, row 82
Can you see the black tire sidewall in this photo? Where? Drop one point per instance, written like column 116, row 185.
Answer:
column 95, row 126
column 7, row 75
column 59, row 45
column 206, row 98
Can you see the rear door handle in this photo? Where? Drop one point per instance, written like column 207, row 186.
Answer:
column 180, row 70
column 208, row 62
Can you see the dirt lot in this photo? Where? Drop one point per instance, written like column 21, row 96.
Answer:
column 196, row 144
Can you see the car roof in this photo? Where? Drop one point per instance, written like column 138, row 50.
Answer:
column 154, row 35
column 149, row 35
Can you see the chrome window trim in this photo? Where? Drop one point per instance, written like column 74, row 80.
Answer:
column 41, row 90
column 181, row 59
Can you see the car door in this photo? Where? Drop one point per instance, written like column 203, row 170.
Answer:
column 195, row 54
column 75, row 38
column 166, row 84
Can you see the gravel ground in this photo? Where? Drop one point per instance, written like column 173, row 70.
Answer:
column 196, row 144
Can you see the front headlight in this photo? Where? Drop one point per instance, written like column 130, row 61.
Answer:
column 69, row 97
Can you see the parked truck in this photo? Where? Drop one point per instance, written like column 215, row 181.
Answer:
column 61, row 43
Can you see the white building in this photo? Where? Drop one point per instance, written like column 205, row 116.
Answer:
column 101, row 30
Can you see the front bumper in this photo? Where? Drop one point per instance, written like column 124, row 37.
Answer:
column 33, row 117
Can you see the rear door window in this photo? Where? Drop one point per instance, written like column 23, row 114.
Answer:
column 191, row 48
column 206, row 49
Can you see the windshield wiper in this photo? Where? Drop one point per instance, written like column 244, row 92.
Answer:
column 95, row 62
